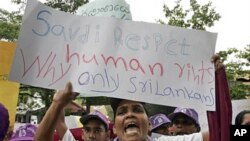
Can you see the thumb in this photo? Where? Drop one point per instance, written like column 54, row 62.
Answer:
column 69, row 91
column 68, row 88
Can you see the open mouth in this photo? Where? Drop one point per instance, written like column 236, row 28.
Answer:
column 131, row 128
column 181, row 133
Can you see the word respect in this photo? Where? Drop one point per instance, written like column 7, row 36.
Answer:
column 85, row 33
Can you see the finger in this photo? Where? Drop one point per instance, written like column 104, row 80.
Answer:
column 68, row 87
column 218, row 65
column 74, row 95
column 58, row 91
column 76, row 106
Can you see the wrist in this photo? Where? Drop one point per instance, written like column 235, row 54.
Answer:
column 57, row 104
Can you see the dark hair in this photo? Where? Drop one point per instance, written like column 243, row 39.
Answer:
column 4, row 122
column 197, row 126
column 114, row 102
column 84, row 122
column 240, row 116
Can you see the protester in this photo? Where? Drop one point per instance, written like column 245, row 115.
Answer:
column 185, row 121
column 4, row 121
column 95, row 127
column 132, row 123
column 131, row 119
column 160, row 124
column 61, row 126
column 243, row 118
column 24, row 133
column 54, row 114
column 95, row 124
column 122, row 11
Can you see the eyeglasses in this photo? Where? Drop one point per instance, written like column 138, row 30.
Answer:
column 96, row 130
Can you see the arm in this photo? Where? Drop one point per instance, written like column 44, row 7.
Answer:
column 47, row 126
column 61, row 126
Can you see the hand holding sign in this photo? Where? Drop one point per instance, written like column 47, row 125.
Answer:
column 217, row 62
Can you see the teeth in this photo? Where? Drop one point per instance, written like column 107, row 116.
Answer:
column 131, row 128
column 131, row 131
column 131, row 123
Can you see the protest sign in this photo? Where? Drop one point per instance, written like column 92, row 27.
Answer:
column 7, row 50
column 106, row 56
column 8, row 90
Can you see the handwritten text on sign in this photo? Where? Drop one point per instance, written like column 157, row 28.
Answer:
column 154, row 63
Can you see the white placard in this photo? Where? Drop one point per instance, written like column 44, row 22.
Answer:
column 106, row 56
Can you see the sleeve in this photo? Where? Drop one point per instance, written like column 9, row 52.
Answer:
column 191, row 137
column 68, row 136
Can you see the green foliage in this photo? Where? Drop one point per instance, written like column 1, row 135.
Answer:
column 239, row 90
column 196, row 17
column 236, row 68
column 19, row 1
column 66, row 5
column 29, row 91
column 9, row 25
column 246, row 55
column 10, row 22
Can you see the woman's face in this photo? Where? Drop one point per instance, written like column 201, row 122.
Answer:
column 131, row 121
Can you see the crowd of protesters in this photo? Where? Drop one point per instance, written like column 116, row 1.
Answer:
column 131, row 122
